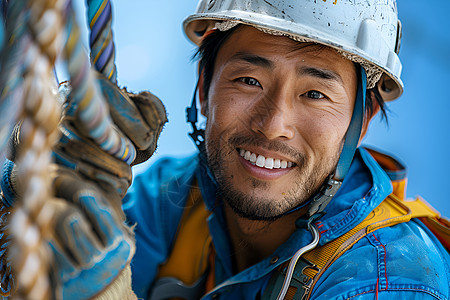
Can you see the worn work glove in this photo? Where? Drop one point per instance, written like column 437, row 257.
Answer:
column 92, row 246
column 140, row 117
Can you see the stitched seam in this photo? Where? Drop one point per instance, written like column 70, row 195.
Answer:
column 366, row 292
column 378, row 284
column 384, row 257
column 415, row 290
column 401, row 289
column 381, row 261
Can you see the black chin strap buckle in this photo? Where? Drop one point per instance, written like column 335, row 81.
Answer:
column 197, row 135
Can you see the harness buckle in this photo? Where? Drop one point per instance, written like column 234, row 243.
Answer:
column 301, row 282
column 300, row 285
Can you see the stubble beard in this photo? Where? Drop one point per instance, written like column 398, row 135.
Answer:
column 247, row 204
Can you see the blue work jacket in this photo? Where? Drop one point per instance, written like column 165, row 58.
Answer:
column 405, row 261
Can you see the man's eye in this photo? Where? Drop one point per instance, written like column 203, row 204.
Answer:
column 250, row 81
column 314, row 95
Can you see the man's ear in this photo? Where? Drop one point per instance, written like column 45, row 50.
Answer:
column 368, row 117
column 201, row 96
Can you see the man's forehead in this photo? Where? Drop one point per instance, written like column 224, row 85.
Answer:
column 255, row 39
column 248, row 44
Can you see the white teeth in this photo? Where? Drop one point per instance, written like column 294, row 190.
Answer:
column 247, row 155
column 260, row 161
column 269, row 163
column 263, row 162
column 276, row 163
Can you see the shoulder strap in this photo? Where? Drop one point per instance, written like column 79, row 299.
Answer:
column 390, row 212
column 184, row 272
column 312, row 265
column 440, row 227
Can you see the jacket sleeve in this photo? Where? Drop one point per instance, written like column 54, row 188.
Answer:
column 404, row 261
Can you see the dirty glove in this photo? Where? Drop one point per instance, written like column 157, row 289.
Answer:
column 139, row 117
column 92, row 246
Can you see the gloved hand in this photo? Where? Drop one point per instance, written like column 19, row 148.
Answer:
column 92, row 246
column 139, row 117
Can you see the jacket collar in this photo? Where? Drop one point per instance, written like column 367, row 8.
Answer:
column 363, row 189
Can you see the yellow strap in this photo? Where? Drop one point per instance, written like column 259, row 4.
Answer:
column 188, row 259
column 390, row 212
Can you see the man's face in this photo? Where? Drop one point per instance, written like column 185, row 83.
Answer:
column 277, row 113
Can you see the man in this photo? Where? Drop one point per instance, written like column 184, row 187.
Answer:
column 283, row 89
column 280, row 202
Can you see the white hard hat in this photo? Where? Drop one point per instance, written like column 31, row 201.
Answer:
column 365, row 31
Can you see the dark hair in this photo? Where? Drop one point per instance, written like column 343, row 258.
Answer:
column 374, row 94
column 210, row 47
column 207, row 54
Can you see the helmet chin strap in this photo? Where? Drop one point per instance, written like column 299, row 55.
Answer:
column 354, row 131
column 320, row 200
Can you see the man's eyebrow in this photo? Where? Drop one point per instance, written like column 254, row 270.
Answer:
column 252, row 59
column 320, row 73
column 265, row 63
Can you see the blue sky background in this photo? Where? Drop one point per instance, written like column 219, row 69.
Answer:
column 153, row 54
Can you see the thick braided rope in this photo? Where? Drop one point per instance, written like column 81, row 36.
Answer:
column 31, row 221
column 91, row 108
column 101, row 38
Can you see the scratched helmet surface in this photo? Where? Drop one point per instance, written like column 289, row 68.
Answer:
column 365, row 31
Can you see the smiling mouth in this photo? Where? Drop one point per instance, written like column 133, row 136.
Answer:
column 265, row 162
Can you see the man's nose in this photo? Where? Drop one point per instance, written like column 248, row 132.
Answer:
column 272, row 116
